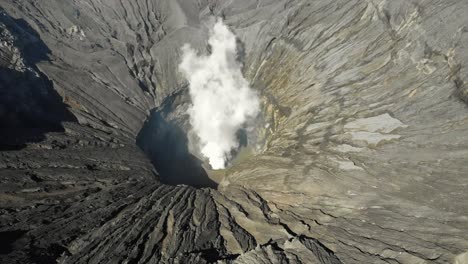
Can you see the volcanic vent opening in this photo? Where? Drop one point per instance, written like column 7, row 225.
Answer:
column 197, row 133
column 222, row 102
column 174, row 149
column 167, row 145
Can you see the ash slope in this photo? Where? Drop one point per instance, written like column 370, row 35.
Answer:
column 365, row 160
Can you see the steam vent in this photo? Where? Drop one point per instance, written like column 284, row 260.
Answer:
column 350, row 145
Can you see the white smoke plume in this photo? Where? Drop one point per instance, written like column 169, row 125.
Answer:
column 222, row 101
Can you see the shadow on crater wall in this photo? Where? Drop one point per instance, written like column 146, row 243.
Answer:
column 29, row 105
column 167, row 146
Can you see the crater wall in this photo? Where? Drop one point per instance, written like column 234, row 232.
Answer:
column 365, row 155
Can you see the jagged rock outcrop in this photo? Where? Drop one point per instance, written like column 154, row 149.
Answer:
column 365, row 155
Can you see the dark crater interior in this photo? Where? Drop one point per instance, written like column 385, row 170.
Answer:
column 166, row 144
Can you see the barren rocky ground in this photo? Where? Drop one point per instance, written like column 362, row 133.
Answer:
column 364, row 150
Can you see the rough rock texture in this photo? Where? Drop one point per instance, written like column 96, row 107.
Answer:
column 366, row 148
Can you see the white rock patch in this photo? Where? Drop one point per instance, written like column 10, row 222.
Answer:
column 382, row 123
column 347, row 148
column 374, row 130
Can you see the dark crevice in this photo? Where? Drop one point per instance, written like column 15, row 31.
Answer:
column 47, row 255
column 212, row 255
column 7, row 240
column 166, row 144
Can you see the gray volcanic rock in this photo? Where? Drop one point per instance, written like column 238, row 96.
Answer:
column 365, row 154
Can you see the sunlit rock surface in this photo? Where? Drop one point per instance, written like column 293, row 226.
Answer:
column 364, row 154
